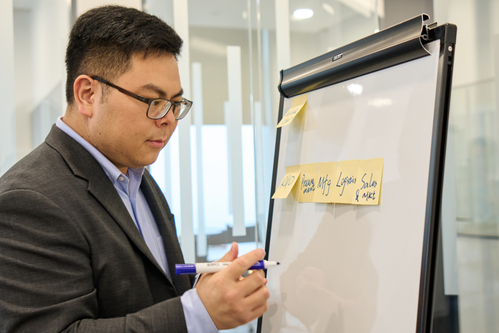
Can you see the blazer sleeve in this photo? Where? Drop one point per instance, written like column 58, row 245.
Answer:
column 47, row 283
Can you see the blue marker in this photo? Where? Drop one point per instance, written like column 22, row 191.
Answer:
column 213, row 267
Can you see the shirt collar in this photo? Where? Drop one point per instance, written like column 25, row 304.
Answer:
column 109, row 168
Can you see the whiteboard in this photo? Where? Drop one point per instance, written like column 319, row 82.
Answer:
column 348, row 268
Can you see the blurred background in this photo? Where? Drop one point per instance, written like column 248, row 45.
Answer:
column 216, row 171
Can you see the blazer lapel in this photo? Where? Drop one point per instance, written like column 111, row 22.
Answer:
column 166, row 225
column 84, row 165
column 112, row 202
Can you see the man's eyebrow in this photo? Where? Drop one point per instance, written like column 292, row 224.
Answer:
column 180, row 93
column 161, row 92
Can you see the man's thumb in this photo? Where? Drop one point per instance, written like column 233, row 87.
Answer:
column 232, row 254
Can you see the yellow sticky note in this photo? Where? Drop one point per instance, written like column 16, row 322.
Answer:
column 324, row 190
column 369, row 180
column 297, row 104
column 308, row 182
column 344, row 181
column 287, row 183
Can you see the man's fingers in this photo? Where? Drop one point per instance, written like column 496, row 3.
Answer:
column 259, row 311
column 230, row 301
column 251, row 283
column 243, row 263
column 258, row 271
column 259, row 299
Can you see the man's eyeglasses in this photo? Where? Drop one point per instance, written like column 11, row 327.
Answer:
column 157, row 107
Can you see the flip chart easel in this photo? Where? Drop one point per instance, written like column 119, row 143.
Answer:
column 363, row 268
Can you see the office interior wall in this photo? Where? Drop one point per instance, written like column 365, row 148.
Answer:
column 23, row 45
column 7, row 112
column 40, row 30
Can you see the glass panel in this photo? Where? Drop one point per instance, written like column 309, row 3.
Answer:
column 474, row 133
column 40, row 33
column 249, row 25
column 334, row 23
column 213, row 27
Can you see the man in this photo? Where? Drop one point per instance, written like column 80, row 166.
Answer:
column 87, row 240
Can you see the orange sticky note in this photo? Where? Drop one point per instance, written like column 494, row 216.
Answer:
column 287, row 183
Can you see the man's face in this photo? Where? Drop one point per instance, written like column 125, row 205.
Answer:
column 119, row 127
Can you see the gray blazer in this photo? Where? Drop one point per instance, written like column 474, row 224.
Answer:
column 71, row 257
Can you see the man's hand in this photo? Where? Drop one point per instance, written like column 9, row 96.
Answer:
column 230, row 300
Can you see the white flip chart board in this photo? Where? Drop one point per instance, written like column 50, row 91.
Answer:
column 356, row 268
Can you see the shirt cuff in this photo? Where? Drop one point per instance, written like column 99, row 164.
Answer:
column 196, row 316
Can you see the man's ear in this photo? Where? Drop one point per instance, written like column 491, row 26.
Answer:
column 84, row 89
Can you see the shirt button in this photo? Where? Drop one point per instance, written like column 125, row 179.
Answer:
column 121, row 178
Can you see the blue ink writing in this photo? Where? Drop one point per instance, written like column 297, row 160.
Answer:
column 369, row 184
column 288, row 180
column 367, row 195
column 324, row 183
column 307, row 185
column 342, row 182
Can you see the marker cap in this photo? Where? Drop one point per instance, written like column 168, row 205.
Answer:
column 185, row 269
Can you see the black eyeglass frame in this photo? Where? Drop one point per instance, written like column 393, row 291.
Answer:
column 149, row 101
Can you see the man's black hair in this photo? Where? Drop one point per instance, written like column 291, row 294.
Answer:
column 104, row 39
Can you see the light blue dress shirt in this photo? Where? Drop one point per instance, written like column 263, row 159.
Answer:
column 128, row 188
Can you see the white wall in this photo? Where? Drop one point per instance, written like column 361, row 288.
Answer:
column 7, row 111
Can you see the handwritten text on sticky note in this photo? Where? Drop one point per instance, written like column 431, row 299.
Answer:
column 307, row 182
column 325, row 184
column 345, row 180
column 297, row 104
column 356, row 182
column 369, row 182
column 287, row 183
